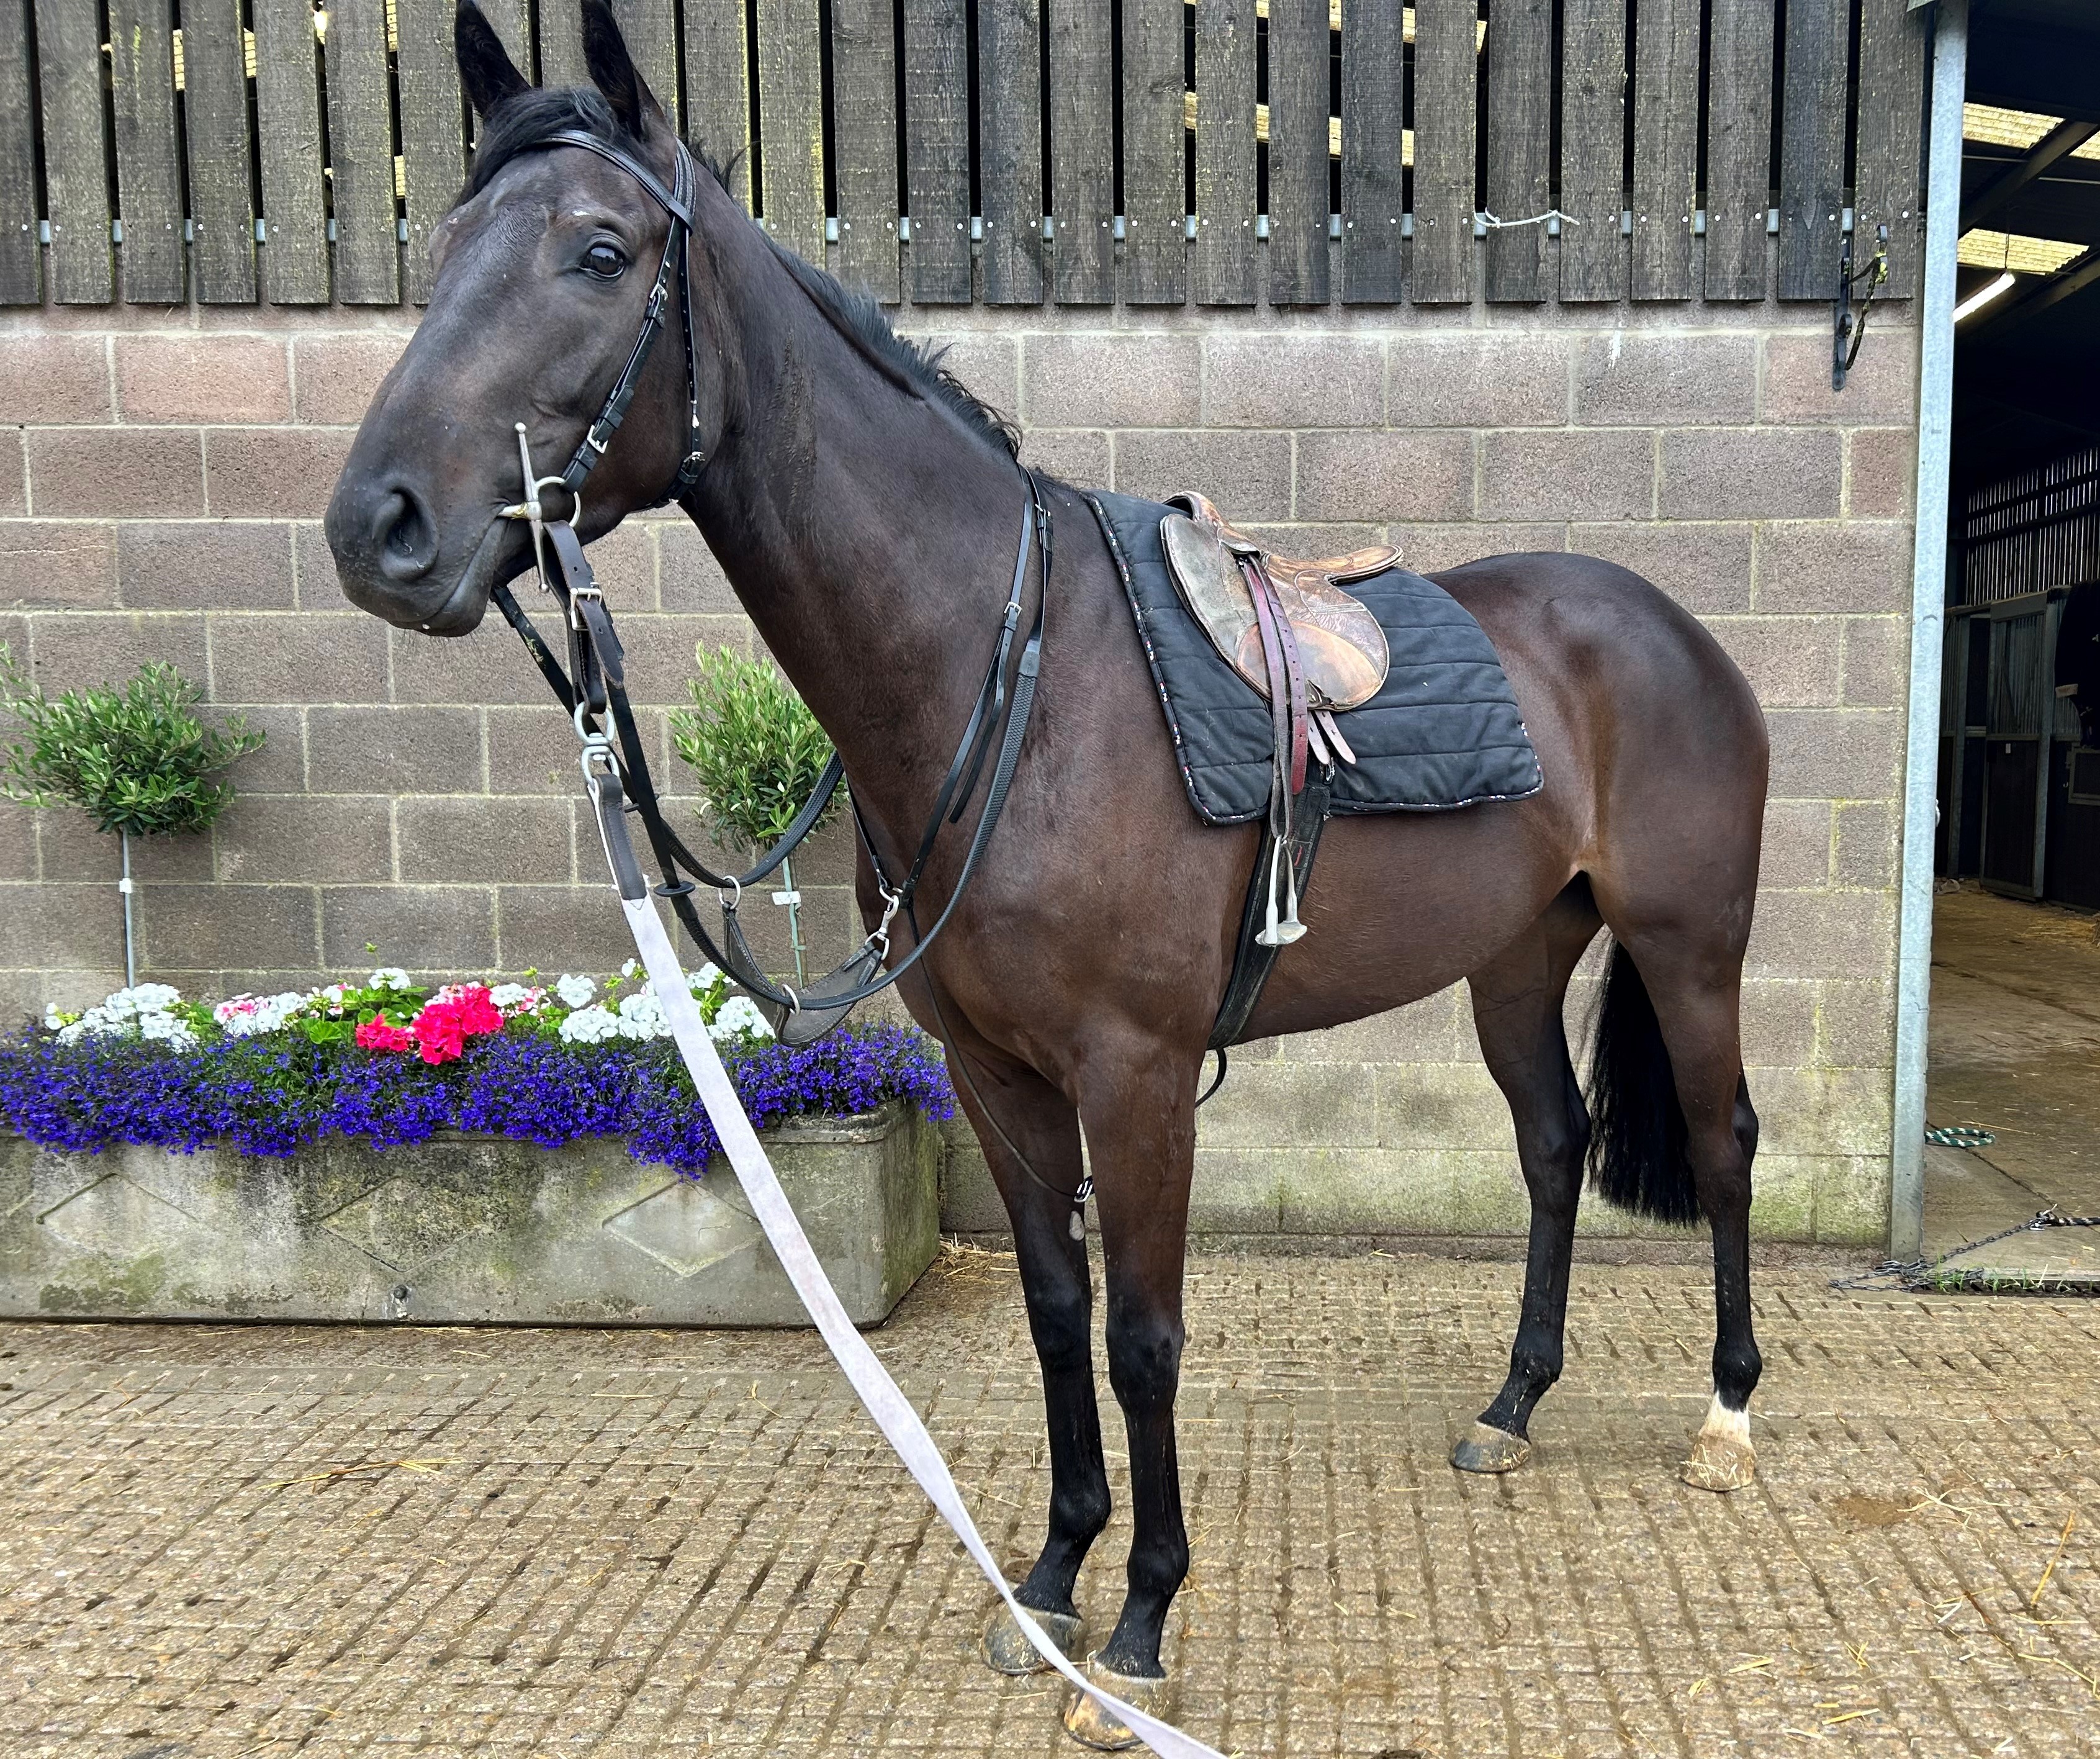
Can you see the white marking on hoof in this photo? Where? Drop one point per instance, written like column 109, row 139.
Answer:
column 1721, row 1457
column 1092, row 1724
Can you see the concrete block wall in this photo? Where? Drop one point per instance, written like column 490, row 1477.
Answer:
column 163, row 476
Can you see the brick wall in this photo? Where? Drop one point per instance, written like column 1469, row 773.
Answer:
column 162, row 476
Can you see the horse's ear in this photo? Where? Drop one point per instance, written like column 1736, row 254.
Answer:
column 613, row 71
column 484, row 63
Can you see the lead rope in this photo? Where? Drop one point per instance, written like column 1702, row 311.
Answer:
column 894, row 1414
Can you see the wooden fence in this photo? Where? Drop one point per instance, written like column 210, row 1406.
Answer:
column 1009, row 151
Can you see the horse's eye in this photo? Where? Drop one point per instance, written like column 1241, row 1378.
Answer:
column 606, row 262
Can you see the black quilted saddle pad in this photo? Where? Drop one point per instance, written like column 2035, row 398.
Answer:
column 1444, row 732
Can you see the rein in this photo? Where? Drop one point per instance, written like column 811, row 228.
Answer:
column 593, row 687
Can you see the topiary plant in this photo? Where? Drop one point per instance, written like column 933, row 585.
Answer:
column 140, row 761
column 757, row 752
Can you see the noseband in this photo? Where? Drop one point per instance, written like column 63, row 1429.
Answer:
column 593, row 687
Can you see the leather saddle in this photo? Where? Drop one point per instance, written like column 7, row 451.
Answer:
column 1341, row 649
column 1311, row 651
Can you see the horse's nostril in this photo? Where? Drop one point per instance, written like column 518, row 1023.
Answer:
column 405, row 534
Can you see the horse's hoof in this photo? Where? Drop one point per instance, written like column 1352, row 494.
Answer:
column 1719, row 1463
column 1487, row 1449
column 1006, row 1651
column 1721, row 1457
column 1090, row 1724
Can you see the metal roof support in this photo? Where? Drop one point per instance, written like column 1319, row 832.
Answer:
column 1935, row 411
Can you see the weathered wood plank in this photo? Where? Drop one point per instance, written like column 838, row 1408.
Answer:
column 650, row 28
column 215, row 115
column 1373, row 99
column 1154, row 144
column 288, row 109
column 21, row 258
column 1666, row 147
column 1593, row 132
column 1885, row 181
column 1082, row 148
column 1738, row 83
column 432, row 140
column 1297, row 152
column 1812, row 156
column 1446, row 62
column 561, row 43
column 150, row 260
column 360, row 109
column 1519, row 137
column 937, row 149
column 791, row 126
column 718, row 88
column 1225, row 163
column 1010, row 149
column 864, row 138
column 76, row 150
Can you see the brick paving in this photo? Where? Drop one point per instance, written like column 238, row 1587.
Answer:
column 244, row 1541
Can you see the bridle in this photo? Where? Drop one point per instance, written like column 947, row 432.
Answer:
column 593, row 689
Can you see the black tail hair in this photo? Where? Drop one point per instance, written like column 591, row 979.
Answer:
column 1638, row 1159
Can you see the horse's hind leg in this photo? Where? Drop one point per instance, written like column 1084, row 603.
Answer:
column 1057, row 1284
column 1517, row 1001
column 1698, row 1010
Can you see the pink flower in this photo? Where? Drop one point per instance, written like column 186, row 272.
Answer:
column 460, row 1011
column 376, row 1034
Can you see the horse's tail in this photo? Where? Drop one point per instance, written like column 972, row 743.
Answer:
column 1638, row 1159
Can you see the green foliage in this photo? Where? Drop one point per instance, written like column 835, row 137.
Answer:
column 754, row 747
column 140, row 760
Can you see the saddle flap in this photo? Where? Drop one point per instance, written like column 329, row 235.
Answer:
column 1208, row 580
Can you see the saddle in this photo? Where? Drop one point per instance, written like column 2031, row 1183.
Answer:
column 1309, row 649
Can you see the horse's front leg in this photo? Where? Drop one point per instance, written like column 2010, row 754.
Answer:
column 1041, row 1123
column 1141, row 1128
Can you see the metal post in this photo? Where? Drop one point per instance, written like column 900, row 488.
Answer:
column 123, row 885
column 1936, row 407
column 788, row 895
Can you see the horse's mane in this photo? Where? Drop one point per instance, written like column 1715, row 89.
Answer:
column 522, row 121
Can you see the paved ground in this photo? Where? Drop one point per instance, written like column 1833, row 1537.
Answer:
column 245, row 1541
column 2016, row 1050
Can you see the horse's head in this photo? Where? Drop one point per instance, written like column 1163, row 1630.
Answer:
column 543, row 268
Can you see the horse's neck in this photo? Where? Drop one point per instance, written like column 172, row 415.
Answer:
column 869, row 537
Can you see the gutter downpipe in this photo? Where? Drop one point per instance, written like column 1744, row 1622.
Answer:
column 1935, row 401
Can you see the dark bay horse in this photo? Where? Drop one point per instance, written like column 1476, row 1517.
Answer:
column 865, row 511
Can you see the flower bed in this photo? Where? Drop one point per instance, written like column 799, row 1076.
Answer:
column 389, row 1063
column 378, row 1151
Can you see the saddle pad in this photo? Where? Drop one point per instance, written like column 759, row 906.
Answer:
column 1445, row 731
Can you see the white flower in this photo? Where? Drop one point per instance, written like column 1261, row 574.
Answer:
column 146, row 998
column 72, row 1034
column 508, row 996
column 575, row 992
column 249, row 1016
column 704, row 977
column 738, row 1018
column 389, row 977
column 642, row 1016
column 167, row 1029
column 590, row 1026
column 629, row 969
column 54, row 1020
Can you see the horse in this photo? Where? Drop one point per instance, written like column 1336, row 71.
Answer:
column 863, row 506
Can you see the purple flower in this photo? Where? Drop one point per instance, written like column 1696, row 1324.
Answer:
column 269, row 1098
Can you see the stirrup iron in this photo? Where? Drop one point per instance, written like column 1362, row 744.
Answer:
column 1282, row 871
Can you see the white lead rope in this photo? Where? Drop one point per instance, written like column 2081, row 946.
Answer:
column 892, row 1412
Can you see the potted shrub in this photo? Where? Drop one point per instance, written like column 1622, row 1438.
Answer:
column 376, row 1148
column 757, row 751
column 140, row 761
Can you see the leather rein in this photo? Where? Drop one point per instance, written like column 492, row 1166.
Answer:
column 592, row 688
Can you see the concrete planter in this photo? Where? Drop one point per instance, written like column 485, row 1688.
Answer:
column 462, row 1230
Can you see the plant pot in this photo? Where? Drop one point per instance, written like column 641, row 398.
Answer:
column 463, row 1230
